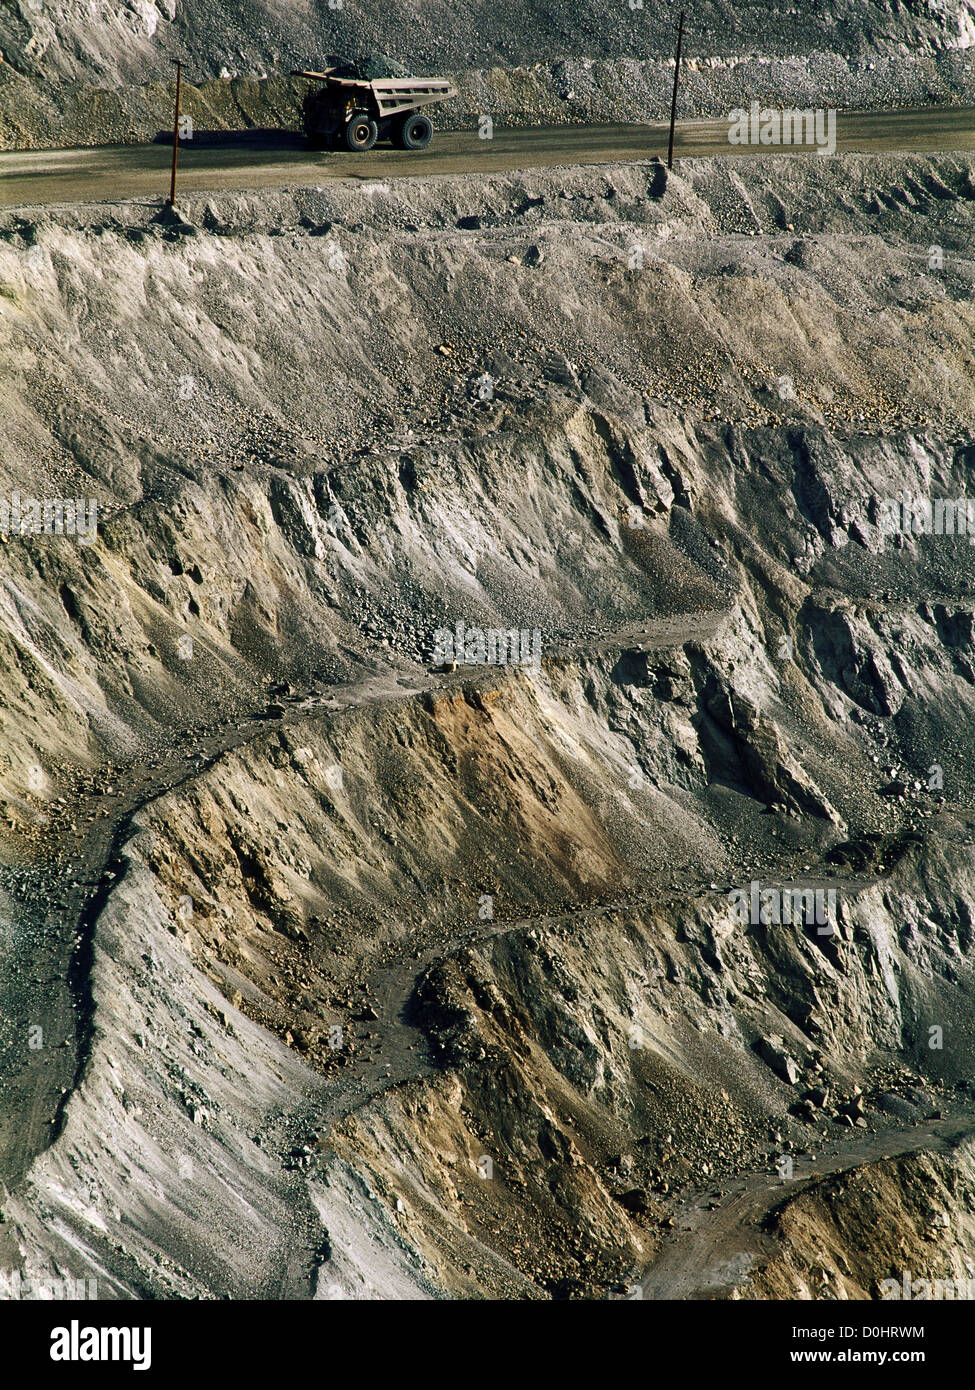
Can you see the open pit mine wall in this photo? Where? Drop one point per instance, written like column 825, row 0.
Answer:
column 70, row 78
column 206, row 1142
column 167, row 1179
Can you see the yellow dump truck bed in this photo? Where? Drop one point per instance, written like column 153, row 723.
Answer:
column 391, row 95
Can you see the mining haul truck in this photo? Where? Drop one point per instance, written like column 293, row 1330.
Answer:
column 358, row 104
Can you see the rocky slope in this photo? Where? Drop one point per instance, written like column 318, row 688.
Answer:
column 361, row 976
column 68, row 77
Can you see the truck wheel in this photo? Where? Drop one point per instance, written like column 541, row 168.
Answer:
column 415, row 133
column 361, row 133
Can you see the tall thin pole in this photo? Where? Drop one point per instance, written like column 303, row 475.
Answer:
column 172, row 182
column 673, row 104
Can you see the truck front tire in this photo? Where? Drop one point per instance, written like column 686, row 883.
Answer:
column 361, row 133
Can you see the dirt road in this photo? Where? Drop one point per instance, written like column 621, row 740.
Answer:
column 715, row 1244
column 223, row 161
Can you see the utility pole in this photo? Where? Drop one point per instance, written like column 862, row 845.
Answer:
column 673, row 104
column 172, row 183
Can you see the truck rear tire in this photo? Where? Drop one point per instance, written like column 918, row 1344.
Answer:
column 415, row 132
column 361, row 133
